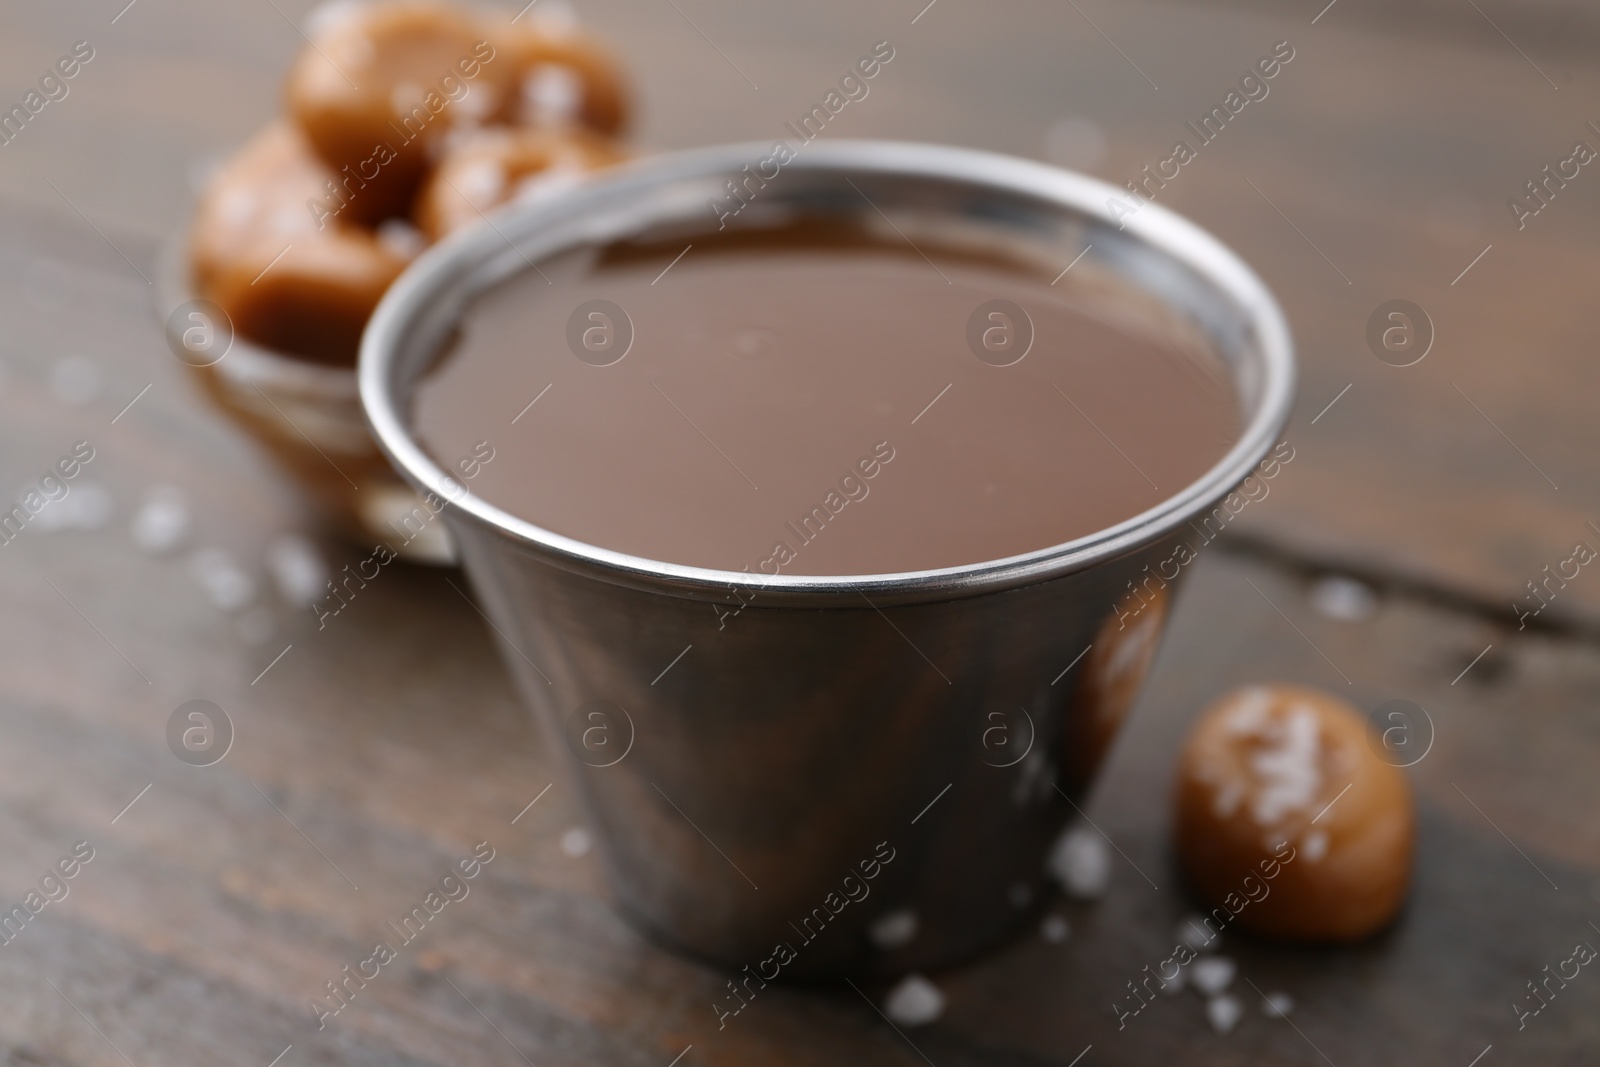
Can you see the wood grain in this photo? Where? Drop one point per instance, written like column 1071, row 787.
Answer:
column 391, row 742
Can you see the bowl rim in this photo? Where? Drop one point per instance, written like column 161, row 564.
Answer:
column 447, row 267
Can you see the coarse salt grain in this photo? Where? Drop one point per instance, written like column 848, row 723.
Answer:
column 401, row 238
column 1081, row 862
column 331, row 15
column 1249, row 711
column 1223, row 1013
column 229, row 586
column 1288, row 768
column 481, row 180
column 1227, row 798
column 162, row 522
column 553, row 94
column 1344, row 599
column 914, row 1001
column 1193, row 933
column 87, row 506
column 297, row 569
column 576, row 842
column 893, row 928
column 1212, row 975
column 1277, row 1005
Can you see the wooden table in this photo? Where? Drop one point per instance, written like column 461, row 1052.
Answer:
column 375, row 752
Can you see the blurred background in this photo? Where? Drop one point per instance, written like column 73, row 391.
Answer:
column 1392, row 559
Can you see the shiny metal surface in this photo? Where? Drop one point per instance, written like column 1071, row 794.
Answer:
column 783, row 760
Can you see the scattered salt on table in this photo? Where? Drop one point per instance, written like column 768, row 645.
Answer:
column 297, row 570
column 1223, row 1013
column 893, row 928
column 162, row 522
column 576, row 842
column 228, row 585
column 1277, row 1005
column 1344, row 599
column 1054, row 929
column 1080, row 861
column 1192, row 932
column 1212, row 975
column 87, row 506
column 914, row 1001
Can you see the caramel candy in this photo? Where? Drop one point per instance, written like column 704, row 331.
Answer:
column 491, row 167
column 290, row 280
column 1288, row 823
column 561, row 77
column 379, row 87
column 315, row 300
column 259, row 194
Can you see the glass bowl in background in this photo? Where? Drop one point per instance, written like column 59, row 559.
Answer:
column 306, row 415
